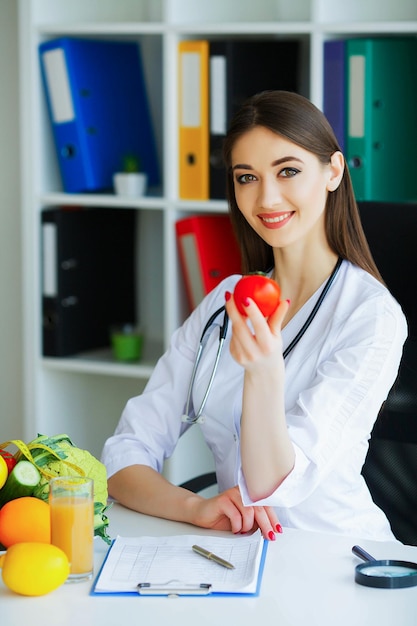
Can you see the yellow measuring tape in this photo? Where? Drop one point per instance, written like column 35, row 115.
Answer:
column 25, row 450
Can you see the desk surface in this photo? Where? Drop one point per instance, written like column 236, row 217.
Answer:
column 308, row 581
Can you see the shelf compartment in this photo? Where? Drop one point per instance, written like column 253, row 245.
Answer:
column 50, row 179
column 103, row 362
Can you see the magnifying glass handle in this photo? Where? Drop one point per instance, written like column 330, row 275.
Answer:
column 362, row 554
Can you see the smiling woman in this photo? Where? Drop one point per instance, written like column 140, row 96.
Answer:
column 282, row 197
column 290, row 410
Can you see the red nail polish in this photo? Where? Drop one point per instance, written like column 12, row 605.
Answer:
column 278, row 528
column 289, row 301
column 271, row 535
column 246, row 302
column 227, row 296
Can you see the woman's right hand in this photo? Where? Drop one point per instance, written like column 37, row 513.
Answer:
column 226, row 511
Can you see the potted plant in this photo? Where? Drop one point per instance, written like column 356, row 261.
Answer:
column 131, row 181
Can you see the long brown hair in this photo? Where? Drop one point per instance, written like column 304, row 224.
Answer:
column 294, row 117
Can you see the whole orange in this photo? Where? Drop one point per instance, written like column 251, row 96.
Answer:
column 25, row 519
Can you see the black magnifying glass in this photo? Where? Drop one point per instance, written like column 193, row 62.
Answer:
column 384, row 574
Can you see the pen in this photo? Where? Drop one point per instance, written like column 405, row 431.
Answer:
column 212, row 557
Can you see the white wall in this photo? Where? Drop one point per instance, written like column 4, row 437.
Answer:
column 11, row 405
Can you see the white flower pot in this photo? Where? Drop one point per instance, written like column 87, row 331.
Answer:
column 131, row 184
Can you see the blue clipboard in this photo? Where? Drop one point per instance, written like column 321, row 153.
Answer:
column 176, row 588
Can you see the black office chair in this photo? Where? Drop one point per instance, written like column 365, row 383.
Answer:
column 390, row 468
column 199, row 483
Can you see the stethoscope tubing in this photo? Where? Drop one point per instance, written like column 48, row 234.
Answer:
column 199, row 418
column 316, row 307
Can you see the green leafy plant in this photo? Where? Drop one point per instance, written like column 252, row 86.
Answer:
column 131, row 163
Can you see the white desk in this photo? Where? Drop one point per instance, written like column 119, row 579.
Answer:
column 308, row 581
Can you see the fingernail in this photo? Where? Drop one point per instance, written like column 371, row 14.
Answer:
column 289, row 301
column 227, row 296
column 278, row 528
column 246, row 302
column 271, row 535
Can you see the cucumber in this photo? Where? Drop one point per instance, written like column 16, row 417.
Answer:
column 21, row 481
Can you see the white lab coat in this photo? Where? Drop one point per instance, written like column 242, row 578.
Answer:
column 337, row 377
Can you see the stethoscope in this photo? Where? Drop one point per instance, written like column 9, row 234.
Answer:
column 198, row 418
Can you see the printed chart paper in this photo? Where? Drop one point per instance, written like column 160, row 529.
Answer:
column 170, row 562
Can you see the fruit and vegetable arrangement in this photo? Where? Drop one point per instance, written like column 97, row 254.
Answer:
column 31, row 565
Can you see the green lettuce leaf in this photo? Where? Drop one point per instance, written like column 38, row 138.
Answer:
column 62, row 458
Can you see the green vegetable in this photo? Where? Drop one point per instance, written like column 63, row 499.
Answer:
column 57, row 456
column 22, row 481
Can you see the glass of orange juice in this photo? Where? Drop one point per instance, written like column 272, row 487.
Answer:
column 71, row 500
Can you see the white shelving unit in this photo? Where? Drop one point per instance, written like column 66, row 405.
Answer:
column 84, row 396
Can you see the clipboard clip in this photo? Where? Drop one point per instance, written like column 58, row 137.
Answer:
column 173, row 588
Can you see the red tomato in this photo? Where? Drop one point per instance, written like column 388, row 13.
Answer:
column 261, row 289
column 9, row 458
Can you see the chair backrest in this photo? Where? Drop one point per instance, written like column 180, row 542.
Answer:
column 390, row 469
column 201, row 482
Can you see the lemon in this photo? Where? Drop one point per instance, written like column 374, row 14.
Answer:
column 34, row 569
column 3, row 471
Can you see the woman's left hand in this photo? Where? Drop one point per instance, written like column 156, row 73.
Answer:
column 226, row 511
column 257, row 343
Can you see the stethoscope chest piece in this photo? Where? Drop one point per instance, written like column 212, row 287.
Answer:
column 199, row 420
column 384, row 574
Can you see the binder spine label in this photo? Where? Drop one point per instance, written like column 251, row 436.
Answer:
column 218, row 96
column 190, row 90
column 49, row 258
column 59, row 89
column 356, row 108
column 195, row 281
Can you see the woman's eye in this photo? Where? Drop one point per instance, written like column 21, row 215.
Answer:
column 245, row 178
column 289, row 172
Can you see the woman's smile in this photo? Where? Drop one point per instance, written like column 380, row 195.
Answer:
column 275, row 220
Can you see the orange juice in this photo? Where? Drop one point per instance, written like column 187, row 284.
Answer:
column 72, row 525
